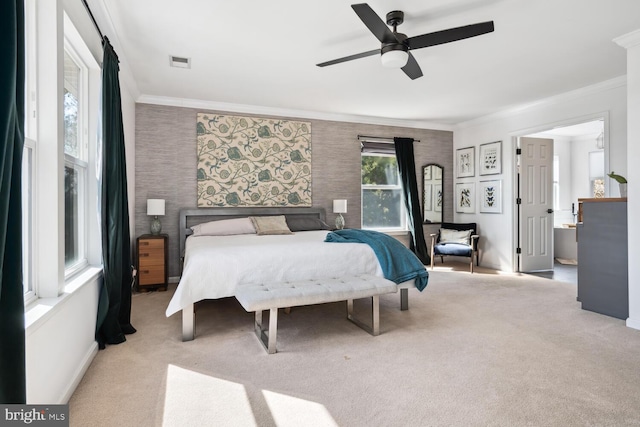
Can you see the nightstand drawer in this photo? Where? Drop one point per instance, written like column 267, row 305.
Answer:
column 151, row 276
column 151, row 256
column 145, row 244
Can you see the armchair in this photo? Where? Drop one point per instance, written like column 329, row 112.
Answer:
column 456, row 239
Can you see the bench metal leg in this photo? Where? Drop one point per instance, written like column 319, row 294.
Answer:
column 188, row 323
column 374, row 329
column 404, row 299
column 267, row 339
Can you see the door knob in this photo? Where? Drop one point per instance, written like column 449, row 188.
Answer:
column 549, row 210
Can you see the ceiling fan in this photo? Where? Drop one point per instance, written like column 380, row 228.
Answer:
column 396, row 47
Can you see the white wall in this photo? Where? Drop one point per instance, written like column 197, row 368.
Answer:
column 632, row 43
column 60, row 343
column 609, row 99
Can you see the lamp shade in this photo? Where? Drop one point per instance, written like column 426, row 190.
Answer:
column 394, row 58
column 340, row 206
column 155, row 207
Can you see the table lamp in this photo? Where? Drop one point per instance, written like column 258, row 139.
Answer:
column 155, row 207
column 340, row 207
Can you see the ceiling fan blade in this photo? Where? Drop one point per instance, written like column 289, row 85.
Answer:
column 350, row 57
column 412, row 69
column 450, row 35
column 374, row 23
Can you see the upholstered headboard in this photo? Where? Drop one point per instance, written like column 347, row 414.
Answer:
column 191, row 217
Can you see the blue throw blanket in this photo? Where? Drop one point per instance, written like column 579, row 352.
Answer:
column 398, row 263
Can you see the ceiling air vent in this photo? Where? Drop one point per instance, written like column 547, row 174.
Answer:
column 180, row 62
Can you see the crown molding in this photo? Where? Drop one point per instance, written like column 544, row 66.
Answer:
column 628, row 40
column 285, row 112
column 604, row 86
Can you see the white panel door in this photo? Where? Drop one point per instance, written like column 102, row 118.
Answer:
column 536, row 208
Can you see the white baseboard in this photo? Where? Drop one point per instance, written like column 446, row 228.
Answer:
column 633, row 323
column 79, row 373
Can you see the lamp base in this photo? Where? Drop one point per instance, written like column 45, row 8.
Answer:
column 156, row 227
column 339, row 222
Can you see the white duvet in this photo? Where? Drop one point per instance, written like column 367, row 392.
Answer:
column 214, row 266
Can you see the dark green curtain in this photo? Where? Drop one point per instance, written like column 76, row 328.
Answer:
column 114, row 306
column 407, row 169
column 12, row 338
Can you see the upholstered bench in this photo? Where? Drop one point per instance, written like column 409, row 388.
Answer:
column 272, row 296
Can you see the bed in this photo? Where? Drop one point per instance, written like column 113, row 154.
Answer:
column 214, row 266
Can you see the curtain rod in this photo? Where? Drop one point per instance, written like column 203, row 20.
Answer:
column 381, row 139
column 93, row 19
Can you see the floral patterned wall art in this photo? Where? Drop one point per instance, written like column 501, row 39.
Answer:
column 249, row 161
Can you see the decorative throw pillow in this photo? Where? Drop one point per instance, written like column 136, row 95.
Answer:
column 270, row 225
column 225, row 227
column 455, row 236
column 306, row 224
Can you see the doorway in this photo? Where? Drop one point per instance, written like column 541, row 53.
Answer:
column 577, row 171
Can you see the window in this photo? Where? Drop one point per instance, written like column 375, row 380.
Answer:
column 59, row 176
column 29, row 154
column 382, row 199
column 596, row 173
column 27, row 209
column 75, row 163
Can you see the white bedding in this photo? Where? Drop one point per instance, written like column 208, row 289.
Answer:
column 215, row 266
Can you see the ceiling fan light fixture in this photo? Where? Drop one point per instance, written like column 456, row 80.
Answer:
column 394, row 58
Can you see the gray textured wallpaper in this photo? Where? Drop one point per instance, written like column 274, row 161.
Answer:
column 166, row 165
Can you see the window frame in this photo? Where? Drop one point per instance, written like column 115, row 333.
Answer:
column 80, row 163
column 28, row 205
column 403, row 210
column 29, row 151
column 46, row 44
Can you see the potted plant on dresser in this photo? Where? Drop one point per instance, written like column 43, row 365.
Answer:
column 622, row 182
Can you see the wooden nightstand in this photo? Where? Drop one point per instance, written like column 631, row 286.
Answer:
column 153, row 271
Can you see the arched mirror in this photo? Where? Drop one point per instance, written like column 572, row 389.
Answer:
column 432, row 196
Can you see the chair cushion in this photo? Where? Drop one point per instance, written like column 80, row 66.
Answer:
column 456, row 249
column 455, row 236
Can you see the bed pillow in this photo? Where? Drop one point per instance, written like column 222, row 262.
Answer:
column 306, row 224
column 455, row 236
column 270, row 225
column 225, row 227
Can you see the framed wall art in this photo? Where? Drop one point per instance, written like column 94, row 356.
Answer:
column 491, row 158
column 252, row 162
column 465, row 161
column 428, row 198
column 430, row 212
column 437, row 197
column 465, row 197
column 491, row 196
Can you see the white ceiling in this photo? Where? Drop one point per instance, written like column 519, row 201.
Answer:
column 263, row 53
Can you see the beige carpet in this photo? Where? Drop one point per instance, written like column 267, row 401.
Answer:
column 473, row 350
